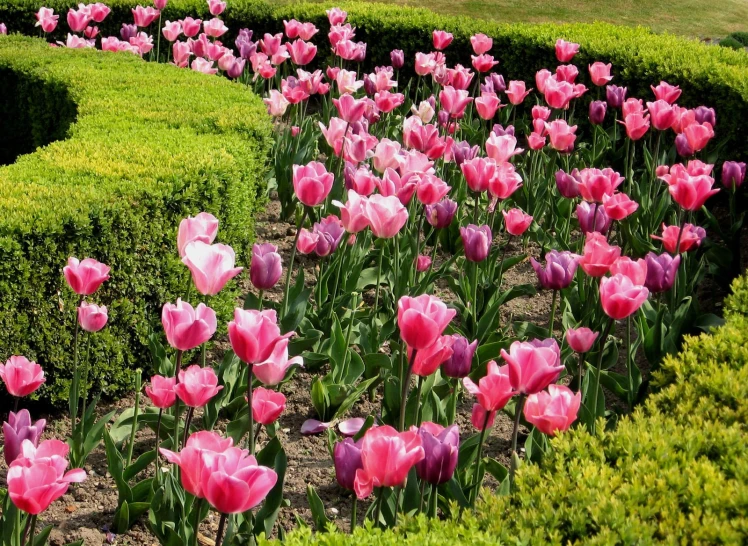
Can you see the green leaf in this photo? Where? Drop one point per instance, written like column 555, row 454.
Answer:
column 273, row 456
column 140, row 464
column 495, row 468
column 318, row 509
column 122, row 518
column 353, row 396
column 115, row 465
column 41, row 538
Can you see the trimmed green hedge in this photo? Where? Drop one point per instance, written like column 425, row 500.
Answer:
column 715, row 76
column 144, row 146
column 675, row 472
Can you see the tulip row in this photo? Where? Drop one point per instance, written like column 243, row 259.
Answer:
column 429, row 167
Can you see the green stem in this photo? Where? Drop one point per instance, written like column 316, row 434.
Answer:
column 259, row 297
column 423, row 492
column 405, row 388
column 337, row 278
column 501, row 264
column 603, row 339
column 75, row 385
column 219, row 533
column 293, row 258
column 158, row 441
column 419, row 389
column 581, row 371
column 354, row 515
column 551, row 319
column 187, row 424
column 134, row 426
column 379, row 279
column 397, row 503
column 84, row 383
column 434, row 500
column 249, row 407
column 479, row 457
column 515, row 433
column 177, row 408
column 629, row 364
column 475, row 293
column 196, row 521
column 378, row 510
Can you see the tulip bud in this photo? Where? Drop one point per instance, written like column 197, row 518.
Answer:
column 347, row 459
column 423, row 262
column 682, row 146
column 441, row 447
column 441, row 214
column 461, row 152
column 581, row 340
column 267, row 405
column 397, row 58
column 461, row 362
column 265, row 268
column 161, row 391
column 661, row 271
column 17, row 429
column 597, row 112
column 615, row 96
column 91, row 317
column 587, row 213
column 733, row 174
column 705, row 115
column 477, row 242
column 370, row 87
column 567, row 184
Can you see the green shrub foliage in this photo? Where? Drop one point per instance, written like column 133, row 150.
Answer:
column 714, row 76
column 732, row 43
column 674, row 472
column 143, row 145
column 741, row 37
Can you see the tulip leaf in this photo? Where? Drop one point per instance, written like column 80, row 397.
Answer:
column 161, row 361
column 41, row 538
column 320, row 398
column 457, row 493
column 495, row 468
column 140, row 464
column 115, row 465
column 122, row 518
column 366, row 426
column 353, row 396
column 93, row 436
column 272, row 456
column 319, row 517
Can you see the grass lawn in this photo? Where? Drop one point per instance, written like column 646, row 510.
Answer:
column 697, row 18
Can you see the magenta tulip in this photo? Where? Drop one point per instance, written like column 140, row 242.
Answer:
column 661, row 271
column 267, row 405
column 554, row 410
column 347, row 460
column 266, row 266
column 161, row 391
column 422, row 320
column 476, row 241
column 598, row 109
column 559, row 271
column 187, row 327
column 17, row 429
column 460, row 363
column 440, row 446
column 620, row 297
column 197, row 386
column 441, row 214
column 733, row 174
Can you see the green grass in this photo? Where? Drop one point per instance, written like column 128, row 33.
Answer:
column 696, row 18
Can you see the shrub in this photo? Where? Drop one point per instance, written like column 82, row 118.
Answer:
column 741, row 37
column 146, row 145
column 732, row 43
column 673, row 472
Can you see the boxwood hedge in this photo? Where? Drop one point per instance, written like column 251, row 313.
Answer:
column 674, row 472
column 143, row 145
column 715, row 76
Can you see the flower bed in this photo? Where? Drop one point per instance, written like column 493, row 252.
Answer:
column 145, row 146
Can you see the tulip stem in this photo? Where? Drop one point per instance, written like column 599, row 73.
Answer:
column 419, row 388
column 354, row 515
column 158, row 439
column 379, row 279
column 219, row 533
column 515, row 433
column 475, row 294
column 552, row 317
column 177, row 409
column 629, row 364
column 84, row 383
column 187, row 424
column 293, row 258
column 405, row 388
column 30, row 530
column 378, row 510
column 603, row 339
column 397, row 502
column 478, row 457
column 434, row 500
column 423, row 492
column 196, row 522
column 251, row 438
column 134, row 426
column 581, row 371
column 74, row 385
column 341, row 259
column 501, row 265
column 259, row 297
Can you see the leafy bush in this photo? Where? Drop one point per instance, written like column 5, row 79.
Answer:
column 674, row 472
column 146, row 145
column 741, row 37
column 732, row 43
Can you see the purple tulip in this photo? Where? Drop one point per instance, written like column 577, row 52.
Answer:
column 244, row 44
column 494, row 83
column 586, row 215
column 461, row 152
column 330, row 231
column 661, row 271
column 397, row 58
column 128, row 31
column 266, row 266
column 477, row 242
column 597, row 112
column 441, row 446
column 704, row 114
column 733, row 174
column 17, row 429
column 461, row 362
column 347, row 459
column 441, row 214
column 567, row 184
column 370, row 88
column 615, row 95
column 682, row 146
column 499, row 130
column 559, row 271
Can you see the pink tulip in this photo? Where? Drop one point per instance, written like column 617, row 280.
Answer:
column 478, row 172
column 516, row 221
column 350, row 109
column 203, row 227
column 428, row 360
column 197, row 386
column 595, row 184
column 361, row 180
column 144, row 16
column 454, row 101
column 312, row 183
column 212, row 266
column 386, row 155
column 203, row 66
column 422, row 320
column 532, row 366
column 301, row 52
column 558, row 93
column 161, row 391
column 387, row 456
column 541, row 79
column 600, row 73
column 698, row 135
column 476, row 241
column 254, row 334
column 581, row 340
column 336, row 16
column 565, row 51
column 665, row 91
column 567, row 73
column 598, row 255
column 78, row 19
column 46, row 19
column 619, row 206
column 689, row 191
column 92, row 32
column 661, row 114
column 502, row 148
column 276, row 103
column 481, row 419
column 98, row 11
column 181, row 54
column 85, row 277
column 21, row 376
column 620, row 297
column 234, row 67
column 636, row 125
column 517, row 92
column 506, row 181
column 200, row 446
column 191, row 26
column 267, row 405
column 690, row 237
column 492, row 391
column 292, row 28
column 486, row 105
column 91, row 317
column 441, row 39
column 387, row 101
column 273, row 370
column 430, row 189
column 307, row 241
column 636, row 270
column 481, row 43
column 423, row 263
column 187, row 327
column 216, row 7
column 535, row 141
column 353, row 213
column 34, row 484
column 215, row 28
column 386, row 215
column 483, row 63
column 561, row 135
column 172, row 30
column 553, row 411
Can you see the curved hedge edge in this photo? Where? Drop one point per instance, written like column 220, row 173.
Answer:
column 674, row 472
column 151, row 144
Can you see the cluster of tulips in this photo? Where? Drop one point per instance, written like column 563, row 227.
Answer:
column 393, row 194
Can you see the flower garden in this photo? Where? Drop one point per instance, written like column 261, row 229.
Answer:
column 342, row 274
